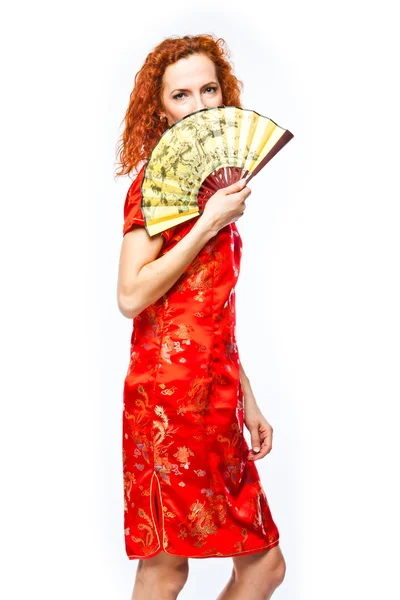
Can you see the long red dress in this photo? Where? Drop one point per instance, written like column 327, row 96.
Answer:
column 189, row 489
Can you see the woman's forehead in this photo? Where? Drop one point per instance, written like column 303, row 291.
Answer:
column 198, row 69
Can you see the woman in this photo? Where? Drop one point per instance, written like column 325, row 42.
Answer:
column 191, row 487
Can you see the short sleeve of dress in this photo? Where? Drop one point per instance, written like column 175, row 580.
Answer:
column 132, row 208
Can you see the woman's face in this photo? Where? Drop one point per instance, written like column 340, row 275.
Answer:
column 189, row 85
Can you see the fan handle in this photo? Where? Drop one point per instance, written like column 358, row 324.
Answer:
column 217, row 180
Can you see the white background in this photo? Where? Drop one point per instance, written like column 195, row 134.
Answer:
column 317, row 299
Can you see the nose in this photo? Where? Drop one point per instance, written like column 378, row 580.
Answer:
column 199, row 105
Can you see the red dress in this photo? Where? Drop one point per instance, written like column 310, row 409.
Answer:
column 189, row 489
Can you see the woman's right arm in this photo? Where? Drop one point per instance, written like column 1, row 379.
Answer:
column 143, row 278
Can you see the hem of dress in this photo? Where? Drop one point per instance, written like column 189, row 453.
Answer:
column 231, row 555
column 159, row 527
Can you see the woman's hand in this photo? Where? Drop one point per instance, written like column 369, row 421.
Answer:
column 260, row 430
column 226, row 205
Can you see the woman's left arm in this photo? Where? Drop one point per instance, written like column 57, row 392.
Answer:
column 258, row 426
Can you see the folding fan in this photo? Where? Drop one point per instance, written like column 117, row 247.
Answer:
column 201, row 153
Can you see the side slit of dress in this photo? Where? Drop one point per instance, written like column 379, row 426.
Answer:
column 157, row 513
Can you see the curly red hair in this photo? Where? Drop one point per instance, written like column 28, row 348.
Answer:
column 143, row 126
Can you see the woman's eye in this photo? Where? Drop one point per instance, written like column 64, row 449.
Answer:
column 176, row 97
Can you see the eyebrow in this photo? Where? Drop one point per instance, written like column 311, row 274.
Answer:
column 186, row 90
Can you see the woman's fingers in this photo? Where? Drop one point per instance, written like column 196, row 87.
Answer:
column 261, row 442
column 256, row 440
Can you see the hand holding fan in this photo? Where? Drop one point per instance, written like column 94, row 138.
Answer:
column 200, row 154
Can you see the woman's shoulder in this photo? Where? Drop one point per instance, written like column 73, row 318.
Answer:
column 134, row 188
column 132, row 206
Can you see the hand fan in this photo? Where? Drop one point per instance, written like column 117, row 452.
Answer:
column 201, row 153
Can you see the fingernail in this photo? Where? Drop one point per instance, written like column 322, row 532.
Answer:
column 256, row 449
